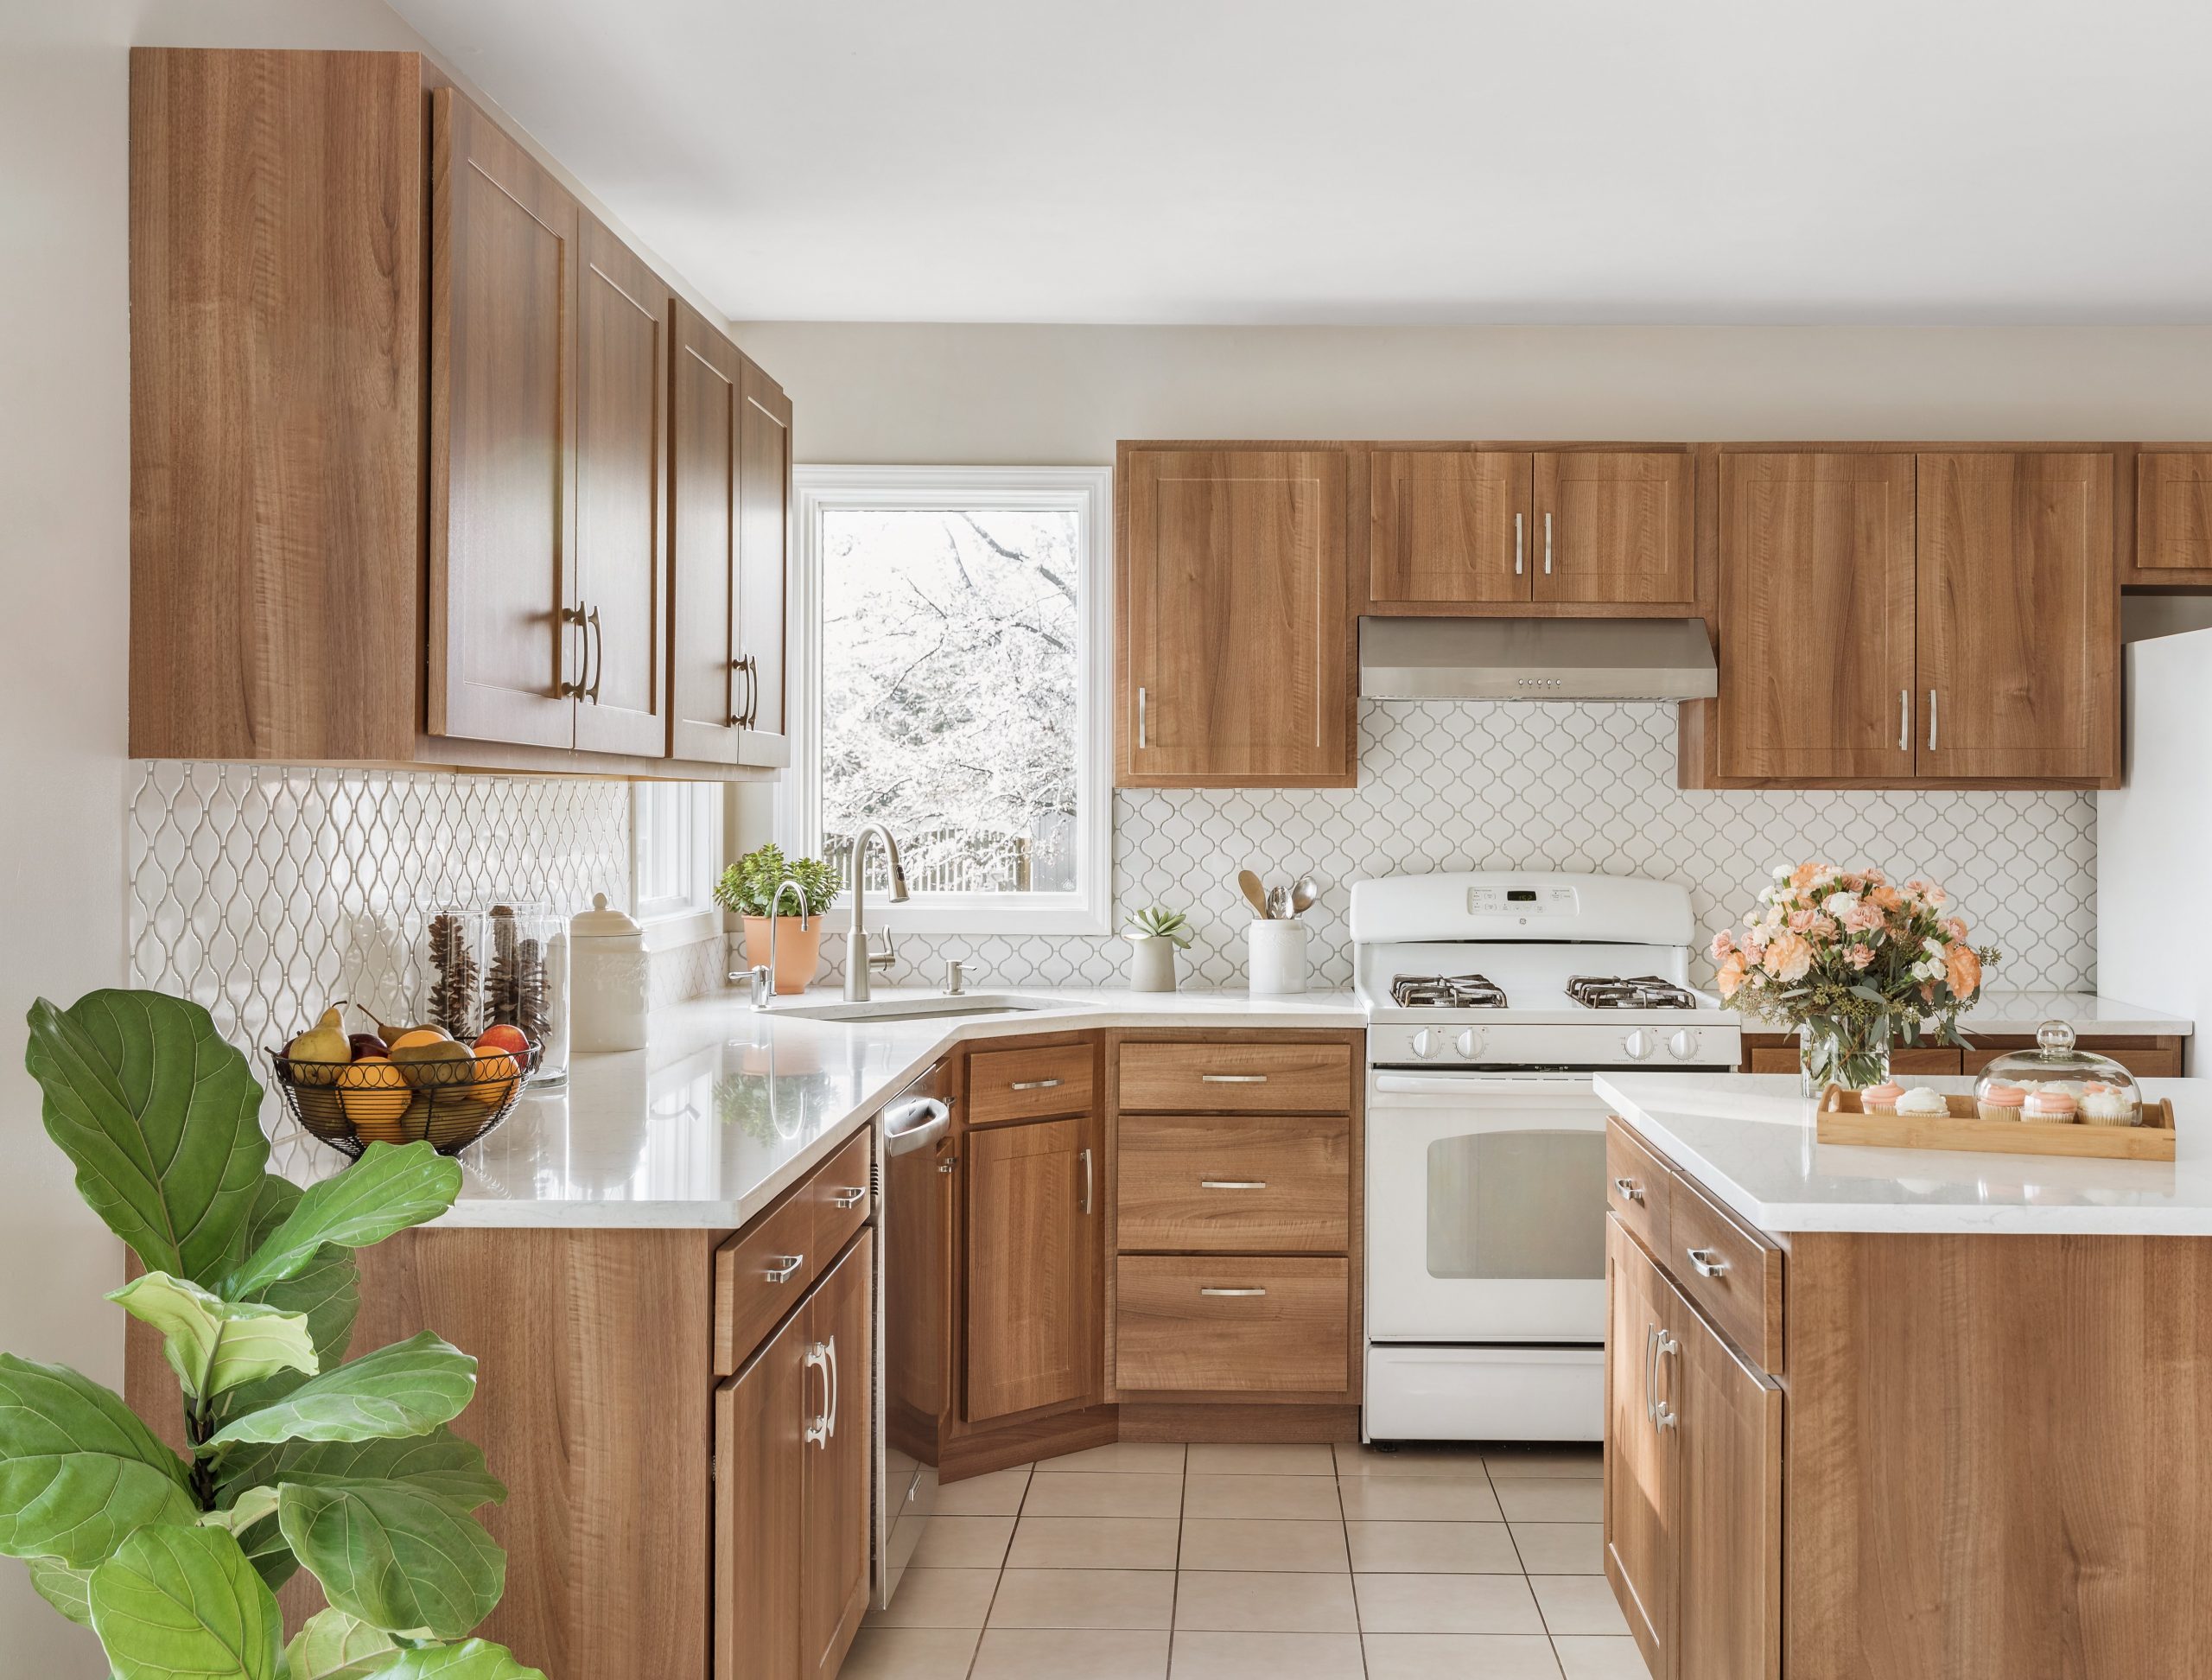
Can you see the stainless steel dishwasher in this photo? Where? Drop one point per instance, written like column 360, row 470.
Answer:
column 913, row 1362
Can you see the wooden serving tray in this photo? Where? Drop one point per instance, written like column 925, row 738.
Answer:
column 1841, row 1120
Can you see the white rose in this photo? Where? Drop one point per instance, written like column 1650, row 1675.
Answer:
column 1934, row 948
column 1781, row 872
column 1839, row 905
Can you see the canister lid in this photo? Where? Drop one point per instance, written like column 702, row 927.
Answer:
column 600, row 923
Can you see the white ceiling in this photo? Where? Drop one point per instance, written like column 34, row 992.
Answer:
column 1291, row 160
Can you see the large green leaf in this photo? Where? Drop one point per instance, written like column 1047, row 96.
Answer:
column 472, row 1659
column 78, row 1470
column 69, row 1591
column 395, row 1556
column 328, row 1292
column 179, row 1602
column 440, row 1462
column 333, row 1645
column 161, row 1119
column 408, row 1389
column 213, row 1344
column 386, row 1191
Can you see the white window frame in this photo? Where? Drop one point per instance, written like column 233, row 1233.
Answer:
column 1086, row 491
column 684, row 917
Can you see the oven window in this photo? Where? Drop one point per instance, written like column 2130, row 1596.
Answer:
column 1517, row 1204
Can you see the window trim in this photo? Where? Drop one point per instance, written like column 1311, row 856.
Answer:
column 1086, row 491
column 696, row 917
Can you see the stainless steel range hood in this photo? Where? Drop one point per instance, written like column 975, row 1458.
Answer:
column 1506, row 658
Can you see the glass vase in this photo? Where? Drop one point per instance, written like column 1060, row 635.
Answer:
column 1839, row 1050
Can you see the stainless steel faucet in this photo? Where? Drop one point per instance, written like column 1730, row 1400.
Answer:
column 859, row 956
column 764, row 979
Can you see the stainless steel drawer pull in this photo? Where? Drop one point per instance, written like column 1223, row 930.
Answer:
column 1232, row 1078
column 1628, row 1188
column 1516, row 545
column 1034, row 1084
column 1706, row 1262
column 1089, row 1185
column 1142, row 739
column 851, row 1196
column 1231, row 1292
column 1547, row 544
column 1904, row 720
column 1931, row 720
column 785, row 1268
column 1232, row 1184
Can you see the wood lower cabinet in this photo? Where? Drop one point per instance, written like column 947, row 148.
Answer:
column 839, row 1464
column 1035, row 1243
column 1640, row 1457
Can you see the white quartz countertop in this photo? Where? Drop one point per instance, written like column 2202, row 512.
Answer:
column 726, row 1108
column 1749, row 1141
column 2010, row 1013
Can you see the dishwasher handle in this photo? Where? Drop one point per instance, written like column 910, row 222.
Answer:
column 914, row 1124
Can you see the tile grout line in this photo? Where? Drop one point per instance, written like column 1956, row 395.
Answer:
column 1020, row 1505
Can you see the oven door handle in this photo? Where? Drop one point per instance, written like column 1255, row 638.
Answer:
column 1476, row 1085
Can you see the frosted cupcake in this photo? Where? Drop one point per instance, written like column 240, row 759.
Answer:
column 1922, row 1102
column 1880, row 1099
column 2050, row 1106
column 2106, row 1105
column 2002, row 1102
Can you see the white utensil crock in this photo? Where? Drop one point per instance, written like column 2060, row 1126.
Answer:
column 1278, row 959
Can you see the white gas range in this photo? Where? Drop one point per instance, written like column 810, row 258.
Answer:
column 1490, row 998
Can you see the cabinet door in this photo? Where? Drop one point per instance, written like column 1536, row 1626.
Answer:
column 1034, row 1236
column 760, row 1465
column 1640, row 1464
column 764, row 557
column 1728, row 1593
column 1236, row 633
column 1816, row 617
column 2019, row 617
column 834, row 1552
column 2173, row 514
column 1447, row 526
column 706, row 401
column 1614, row 529
column 621, row 487
column 504, row 241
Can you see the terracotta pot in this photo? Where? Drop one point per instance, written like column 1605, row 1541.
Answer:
column 798, row 950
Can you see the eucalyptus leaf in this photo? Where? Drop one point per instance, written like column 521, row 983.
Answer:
column 395, row 1556
column 161, row 1119
column 408, row 1389
column 328, row 1292
column 175, row 1603
column 440, row 1462
column 213, row 1344
column 471, row 1659
column 386, row 1191
column 69, row 1591
column 78, row 1470
column 333, row 1645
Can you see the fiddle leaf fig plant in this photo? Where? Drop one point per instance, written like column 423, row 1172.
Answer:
column 297, row 1456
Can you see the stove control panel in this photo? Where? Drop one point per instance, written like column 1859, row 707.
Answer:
column 1523, row 901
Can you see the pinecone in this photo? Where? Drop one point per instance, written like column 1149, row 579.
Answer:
column 452, row 995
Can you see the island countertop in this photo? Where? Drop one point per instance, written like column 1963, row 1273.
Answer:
column 726, row 1107
column 1749, row 1141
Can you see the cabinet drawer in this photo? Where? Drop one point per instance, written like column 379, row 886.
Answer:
column 843, row 1197
column 1029, row 1084
column 1730, row 1272
column 1235, row 1185
column 1922, row 1059
column 1235, row 1324
column 1243, row 1078
column 760, row 1274
column 1638, row 1188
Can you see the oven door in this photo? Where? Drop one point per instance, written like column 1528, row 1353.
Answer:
column 1485, row 1208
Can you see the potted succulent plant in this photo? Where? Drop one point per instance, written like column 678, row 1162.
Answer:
column 1154, row 936
column 296, row 1457
column 748, row 887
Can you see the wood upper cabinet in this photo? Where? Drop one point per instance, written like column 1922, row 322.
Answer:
column 1035, row 1250
column 1234, row 636
column 621, row 499
column 764, row 564
column 2173, row 517
column 839, row 1463
column 706, row 402
column 2019, row 618
column 1640, row 1466
column 1614, row 528
column 1816, row 617
column 1447, row 526
column 504, row 259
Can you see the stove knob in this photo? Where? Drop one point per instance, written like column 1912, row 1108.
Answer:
column 1682, row 1046
column 1469, row 1044
column 1424, row 1044
column 1639, row 1045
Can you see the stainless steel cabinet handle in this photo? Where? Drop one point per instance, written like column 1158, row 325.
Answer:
column 599, row 642
column 1140, row 740
column 850, row 1196
column 1232, row 1078
column 1204, row 1291
column 1628, row 1188
column 830, row 1423
column 1232, row 1184
column 1034, row 1084
column 1088, row 1186
column 1662, row 1414
column 1904, row 720
column 749, row 669
column 818, row 1359
column 1931, row 720
column 785, row 1268
column 1651, row 1336
column 1516, row 545
column 1706, row 1262
column 581, row 687
column 1547, row 544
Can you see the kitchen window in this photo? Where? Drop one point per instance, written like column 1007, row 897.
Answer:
column 949, row 680
column 675, row 856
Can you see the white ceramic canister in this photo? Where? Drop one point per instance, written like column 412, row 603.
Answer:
column 609, row 985
column 1278, row 959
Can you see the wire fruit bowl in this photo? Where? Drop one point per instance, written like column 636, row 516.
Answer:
column 350, row 1105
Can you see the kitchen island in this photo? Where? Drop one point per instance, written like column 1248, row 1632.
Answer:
column 1903, row 1415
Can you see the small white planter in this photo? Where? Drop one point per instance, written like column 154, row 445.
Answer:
column 1277, row 959
column 1152, row 964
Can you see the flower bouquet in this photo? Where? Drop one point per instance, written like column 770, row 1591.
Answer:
column 1852, row 962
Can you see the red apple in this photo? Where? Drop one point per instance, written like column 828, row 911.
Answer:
column 512, row 1039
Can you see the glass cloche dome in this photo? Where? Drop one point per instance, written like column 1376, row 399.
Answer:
column 2056, row 1084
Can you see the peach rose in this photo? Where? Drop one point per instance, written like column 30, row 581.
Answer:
column 1965, row 970
column 1860, row 957
column 1723, row 943
column 1887, row 897
column 1955, row 927
column 1731, row 975
column 1863, row 918
column 1789, row 958
column 1800, row 920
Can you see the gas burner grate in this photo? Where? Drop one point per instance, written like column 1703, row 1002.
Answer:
column 1440, row 991
column 1641, row 991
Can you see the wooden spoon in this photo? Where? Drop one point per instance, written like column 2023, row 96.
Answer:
column 1248, row 884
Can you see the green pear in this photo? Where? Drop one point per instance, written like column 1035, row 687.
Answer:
column 325, row 1041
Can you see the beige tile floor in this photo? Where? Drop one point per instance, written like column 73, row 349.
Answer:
column 1150, row 1563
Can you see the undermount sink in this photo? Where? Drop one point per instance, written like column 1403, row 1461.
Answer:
column 922, row 1008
